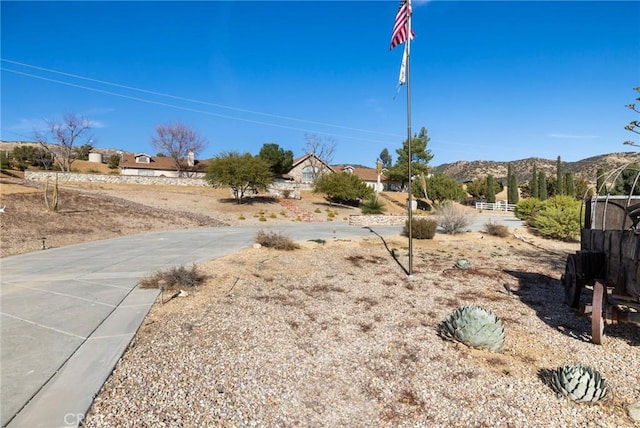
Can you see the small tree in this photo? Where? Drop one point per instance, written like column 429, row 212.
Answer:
column 279, row 160
column 23, row 156
column 64, row 135
column 420, row 157
column 443, row 188
column 600, row 179
column 42, row 158
column 386, row 158
column 343, row 187
column 569, row 184
column 114, row 161
column 560, row 190
column 178, row 142
column 82, row 152
column 491, row 189
column 240, row 172
column 628, row 182
column 5, row 159
column 512, row 190
column 477, row 188
column 542, row 186
column 533, row 184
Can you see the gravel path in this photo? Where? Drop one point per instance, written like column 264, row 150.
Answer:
column 335, row 334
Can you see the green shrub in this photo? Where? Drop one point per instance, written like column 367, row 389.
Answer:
column 452, row 217
column 343, row 188
column 275, row 240
column 559, row 218
column 373, row 206
column 174, row 278
column 498, row 230
column 421, row 228
column 527, row 208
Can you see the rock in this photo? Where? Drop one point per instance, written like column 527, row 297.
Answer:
column 634, row 411
column 257, row 246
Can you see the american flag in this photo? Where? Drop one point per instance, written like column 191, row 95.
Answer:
column 400, row 27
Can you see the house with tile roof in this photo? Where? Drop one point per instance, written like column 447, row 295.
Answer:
column 369, row 175
column 142, row 164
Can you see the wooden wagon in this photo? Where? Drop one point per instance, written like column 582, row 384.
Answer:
column 607, row 262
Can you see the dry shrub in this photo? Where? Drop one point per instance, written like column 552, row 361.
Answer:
column 275, row 240
column 174, row 278
column 498, row 230
column 453, row 218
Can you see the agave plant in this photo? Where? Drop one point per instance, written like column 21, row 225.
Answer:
column 579, row 383
column 475, row 327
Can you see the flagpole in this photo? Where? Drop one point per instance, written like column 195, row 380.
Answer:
column 408, row 75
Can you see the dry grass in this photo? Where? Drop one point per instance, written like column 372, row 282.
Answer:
column 275, row 240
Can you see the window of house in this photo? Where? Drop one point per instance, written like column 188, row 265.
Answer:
column 143, row 159
column 145, row 172
column 307, row 173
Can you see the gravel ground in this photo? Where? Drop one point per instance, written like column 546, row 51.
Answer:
column 335, row 334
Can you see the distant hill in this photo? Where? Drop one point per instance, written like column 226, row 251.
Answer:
column 586, row 168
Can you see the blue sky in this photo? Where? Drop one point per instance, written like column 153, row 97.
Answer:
column 502, row 80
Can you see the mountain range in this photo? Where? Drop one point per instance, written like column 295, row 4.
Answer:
column 464, row 171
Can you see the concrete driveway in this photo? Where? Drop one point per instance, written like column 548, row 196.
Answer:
column 68, row 314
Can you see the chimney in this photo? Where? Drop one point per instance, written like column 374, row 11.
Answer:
column 191, row 159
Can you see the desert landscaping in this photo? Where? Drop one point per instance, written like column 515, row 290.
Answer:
column 334, row 333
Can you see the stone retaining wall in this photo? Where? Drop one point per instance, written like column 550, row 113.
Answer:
column 277, row 189
column 381, row 220
column 68, row 177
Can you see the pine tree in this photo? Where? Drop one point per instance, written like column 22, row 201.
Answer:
column 559, row 182
column 533, row 184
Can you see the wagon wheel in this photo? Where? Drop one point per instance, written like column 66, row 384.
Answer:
column 597, row 313
column 570, row 281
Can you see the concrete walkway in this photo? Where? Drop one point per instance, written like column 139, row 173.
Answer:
column 68, row 314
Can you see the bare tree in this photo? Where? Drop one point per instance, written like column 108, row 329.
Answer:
column 180, row 143
column 323, row 148
column 634, row 125
column 64, row 135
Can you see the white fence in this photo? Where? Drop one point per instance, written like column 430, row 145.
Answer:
column 498, row 206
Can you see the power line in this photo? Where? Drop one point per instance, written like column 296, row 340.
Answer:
column 146, row 91
column 144, row 100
